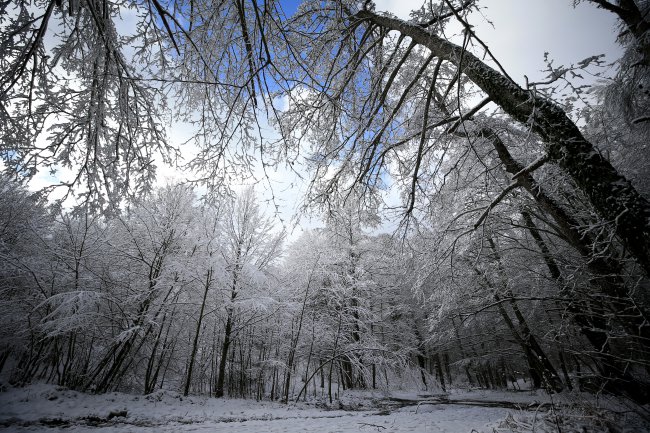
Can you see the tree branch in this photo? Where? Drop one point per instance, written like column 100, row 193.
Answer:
column 495, row 202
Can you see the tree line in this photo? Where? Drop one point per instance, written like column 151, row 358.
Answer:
column 205, row 299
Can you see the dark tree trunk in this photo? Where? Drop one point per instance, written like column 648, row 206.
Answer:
column 227, row 333
column 420, row 356
column 445, row 360
column 439, row 373
column 463, row 354
column 294, row 341
column 221, row 372
column 195, row 343
column 422, row 365
column 149, row 376
column 540, row 366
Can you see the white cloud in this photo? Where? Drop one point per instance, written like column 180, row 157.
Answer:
column 521, row 32
column 399, row 8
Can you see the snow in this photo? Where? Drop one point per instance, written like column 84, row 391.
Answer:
column 48, row 408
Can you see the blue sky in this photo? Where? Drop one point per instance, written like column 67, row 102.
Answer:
column 289, row 6
column 519, row 32
column 523, row 30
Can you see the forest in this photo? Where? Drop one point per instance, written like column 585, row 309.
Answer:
column 513, row 255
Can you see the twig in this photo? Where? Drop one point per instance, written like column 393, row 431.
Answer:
column 495, row 202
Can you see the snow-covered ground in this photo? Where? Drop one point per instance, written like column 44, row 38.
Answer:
column 38, row 408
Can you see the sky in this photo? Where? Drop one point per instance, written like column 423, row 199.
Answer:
column 523, row 30
column 518, row 33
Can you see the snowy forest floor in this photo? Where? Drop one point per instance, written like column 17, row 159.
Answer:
column 41, row 408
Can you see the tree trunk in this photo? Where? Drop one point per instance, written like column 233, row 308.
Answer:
column 447, row 369
column 3, row 358
column 221, row 372
column 420, row 356
column 295, row 339
column 195, row 343
column 463, row 354
column 439, row 372
column 149, row 377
